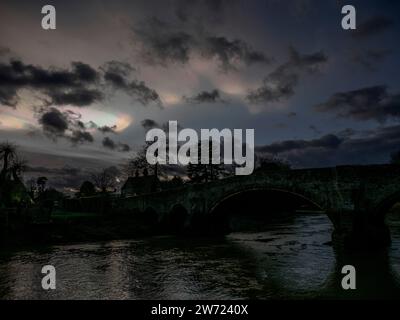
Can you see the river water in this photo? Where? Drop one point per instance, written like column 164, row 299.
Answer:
column 290, row 260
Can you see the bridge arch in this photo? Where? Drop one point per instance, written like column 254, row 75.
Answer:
column 267, row 189
column 247, row 207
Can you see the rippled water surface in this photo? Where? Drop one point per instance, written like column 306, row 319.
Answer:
column 291, row 260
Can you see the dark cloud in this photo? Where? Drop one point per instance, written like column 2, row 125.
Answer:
column 329, row 141
column 107, row 129
column 81, row 85
column 79, row 137
column 205, row 97
column 143, row 93
column 84, row 72
column 371, row 103
column 148, row 124
column 229, row 52
column 103, row 129
column 371, row 58
column 54, row 122
column 164, row 43
column 77, row 97
column 117, row 75
column 347, row 147
column 61, row 86
column 373, row 26
column 110, row 144
column 280, row 83
column 67, row 124
column 8, row 96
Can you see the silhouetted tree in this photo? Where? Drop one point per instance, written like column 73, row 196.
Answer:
column 17, row 167
column 7, row 154
column 12, row 189
column 87, row 189
column 105, row 180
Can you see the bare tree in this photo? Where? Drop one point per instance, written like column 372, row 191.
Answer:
column 17, row 167
column 87, row 189
column 105, row 180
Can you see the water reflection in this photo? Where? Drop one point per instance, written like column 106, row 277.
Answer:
column 292, row 259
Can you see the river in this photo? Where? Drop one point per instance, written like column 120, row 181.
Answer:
column 290, row 260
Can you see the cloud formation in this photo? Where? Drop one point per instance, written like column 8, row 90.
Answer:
column 81, row 85
column 164, row 44
column 373, row 26
column 60, row 86
column 148, row 124
column 370, row 103
column 369, row 59
column 280, row 84
column 108, row 143
column 329, row 141
column 205, row 97
column 231, row 52
column 107, row 129
column 116, row 74
column 67, row 124
column 346, row 147
column 54, row 122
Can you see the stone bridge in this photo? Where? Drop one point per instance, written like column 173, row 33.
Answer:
column 355, row 198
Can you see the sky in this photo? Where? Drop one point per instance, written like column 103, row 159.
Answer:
column 81, row 97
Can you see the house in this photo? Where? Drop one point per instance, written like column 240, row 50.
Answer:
column 140, row 185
